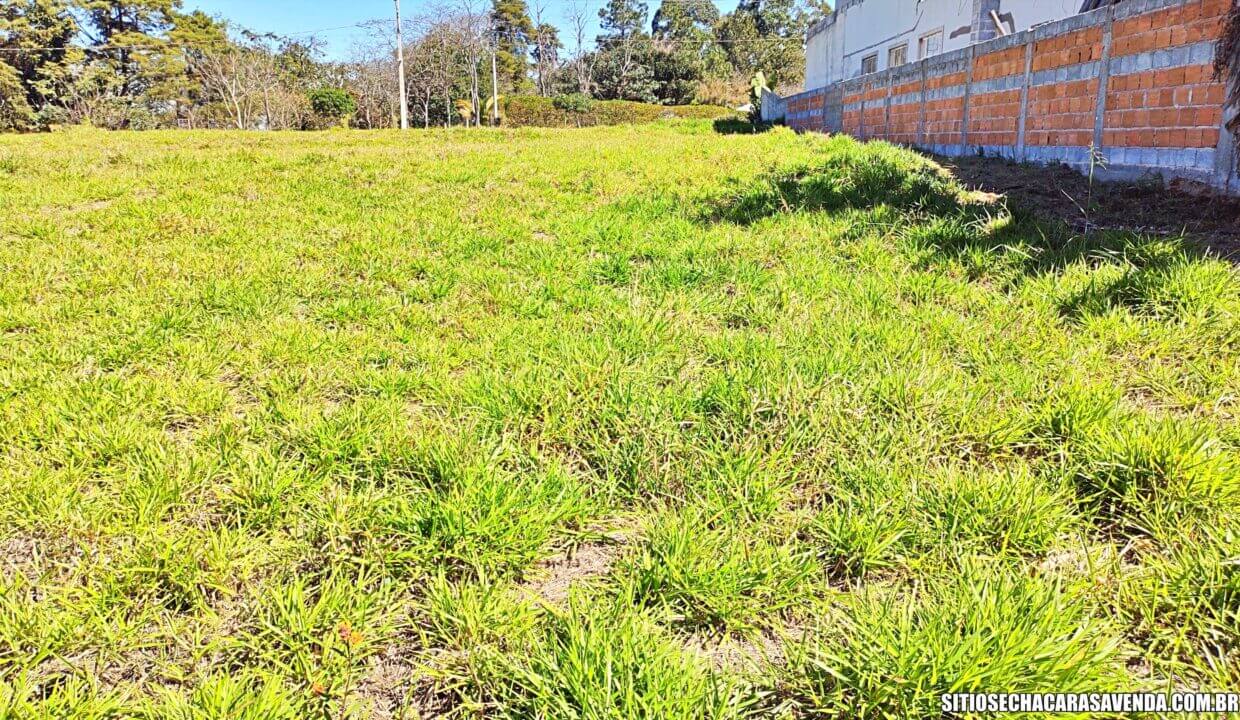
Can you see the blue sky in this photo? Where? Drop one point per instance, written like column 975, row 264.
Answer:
column 298, row 16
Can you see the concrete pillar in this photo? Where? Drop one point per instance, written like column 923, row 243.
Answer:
column 921, row 115
column 1024, row 98
column 968, row 90
column 983, row 27
column 1104, row 73
column 887, row 109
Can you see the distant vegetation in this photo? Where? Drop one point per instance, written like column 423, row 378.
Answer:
column 144, row 64
column 580, row 111
column 630, row 422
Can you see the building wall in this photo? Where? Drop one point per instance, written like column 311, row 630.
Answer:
column 858, row 28
column 1132, row 82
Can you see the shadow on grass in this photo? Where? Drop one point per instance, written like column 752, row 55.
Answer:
column 948, row 224
column 1126, row 269
column 849, row 175
column 739, row 126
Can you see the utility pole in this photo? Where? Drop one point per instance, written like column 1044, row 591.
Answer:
column 400, row 72
column 494, row 80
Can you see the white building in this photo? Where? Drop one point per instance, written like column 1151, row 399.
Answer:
column 863, row 36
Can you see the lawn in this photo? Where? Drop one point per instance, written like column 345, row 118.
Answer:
column 630, row 422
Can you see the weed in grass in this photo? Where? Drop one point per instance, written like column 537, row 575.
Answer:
column 24, row 697
column 1183, row 604
column 893, row 650
column 252, row 697
column 703, row 572
column 1071, row 414
column 467, row 616
column 1145, row 474
column 317, row 635
column 596, row 661
column 484, row 523
column 976, row 510
column 856, row 535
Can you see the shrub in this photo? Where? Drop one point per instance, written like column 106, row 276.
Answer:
column 568, row 111
column 139, row 117
column 575, row 102
column 848, row 174
column 52, row 115
column 756, row 86
column 123, row 114
column 726, row 91
column 332, row 104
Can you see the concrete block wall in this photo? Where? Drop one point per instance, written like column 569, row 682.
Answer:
column 1131, row 82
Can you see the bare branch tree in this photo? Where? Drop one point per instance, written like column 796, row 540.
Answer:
column 241, row 78
column 546, row 51
column 583, row 62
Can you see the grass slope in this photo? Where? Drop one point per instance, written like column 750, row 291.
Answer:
column 630, row 422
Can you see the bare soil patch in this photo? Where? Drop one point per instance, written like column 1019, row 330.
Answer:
column 556, row 576
column 1059, row 192
column 743, row 654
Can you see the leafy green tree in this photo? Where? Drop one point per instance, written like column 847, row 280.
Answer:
column 36, row 41
column 299, row 63
column 514, row 34
column 134, row 34
column 332, row 104
column 626, row 71
column 623, row 61
column 767, row 35
column 685, row 49
column 15, row 111
column 676, row 72
column 685, row 20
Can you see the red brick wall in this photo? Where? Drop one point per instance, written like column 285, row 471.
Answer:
column 944, row 121
column 1177, row 107
column 1061, row 113
column 1160, row 91
column 999, row 64
column 1071, row 48
column 1182, row 25
column 994, row 118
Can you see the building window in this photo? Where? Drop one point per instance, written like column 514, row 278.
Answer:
column 930, row 44
column 897, row 55
column 869, row 64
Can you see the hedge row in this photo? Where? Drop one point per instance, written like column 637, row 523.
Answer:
column 534, row 111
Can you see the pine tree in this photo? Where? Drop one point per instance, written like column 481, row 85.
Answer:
column 514, row 33
column 36, row 37
column 192, row 36
column 134, row 36
column 685, row 20
column 621, row 21
column 767, row 35
column 623, row 62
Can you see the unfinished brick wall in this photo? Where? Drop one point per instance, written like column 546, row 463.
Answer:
column 1133, row 80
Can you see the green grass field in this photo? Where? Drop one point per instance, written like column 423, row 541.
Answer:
column 630, row 422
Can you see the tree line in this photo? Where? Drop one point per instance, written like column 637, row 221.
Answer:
column 137, row 64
